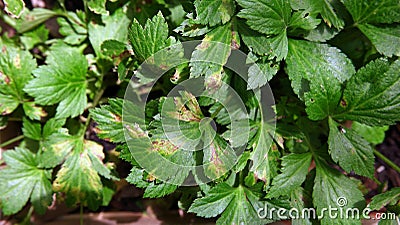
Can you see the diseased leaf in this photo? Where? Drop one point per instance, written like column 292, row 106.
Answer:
column 351, row 151
column 14, row 7
column 15, row 72
column 213, row 12
column 97, row 6
column 79, row 175
column 62, row 80
column 261, row 72
column 264, row 155
column 109, row 120
column 385, row 39
column 22, row 180
column 328, row 10
column 378, row 102
column 211, row 55
column 32, row 111
column 294, row 171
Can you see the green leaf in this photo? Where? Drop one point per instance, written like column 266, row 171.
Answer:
column 34, row 37
column 22, row 180
column 213, row 12
column 151, row 38
column 307, row 61
column 73, row 28
column 374, row 135
column 115, row 26
column 371, row 11
column 14, row 7
column 32, row 129
column 294, row 171
column 97, row 6
column 261, row 72
column 304, row 20
column 109, row 120
column 237, row 205
column 390, row 197
column 15, row 72
column 79, row 176
column 328, row 10
column 191, row 27
column 113, row 48
column 159, row 190
column 330, row 188
column 351, row 151
column 266, row 16
column 385, row 39
column 323, row 97
column 378, row 102
column 254, row 40
column 62, row 80
column 57, row 147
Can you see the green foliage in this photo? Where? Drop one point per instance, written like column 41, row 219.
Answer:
column 333, row 103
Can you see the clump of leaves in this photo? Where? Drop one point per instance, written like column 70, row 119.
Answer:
column 303, row 49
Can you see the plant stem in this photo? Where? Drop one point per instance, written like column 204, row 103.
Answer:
column 28, row 216
column 81, row 214
column 11, row 141
column 387, row 161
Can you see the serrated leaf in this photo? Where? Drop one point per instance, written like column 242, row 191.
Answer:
column 307, row 61
column 330, row 188
column 378, row 103
column 351, row 151
column 328, row 10
column 237, row 205
column 73, row 28
column 390, row 197
column 151, row 38
column 109, row 120
column 279, row 45
column 62, row 80
column 254, row 40
column 22, row 180
column 385, row 39
column 15, row 72
column 213, row 12
column 371, row 11
column 115, row 27
column 79, row 177
column 304, row 20
column 159, row 190
column 294, row 171
column 14, row 7
column 261, row 72
column 31, row 129
column 266, row 16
